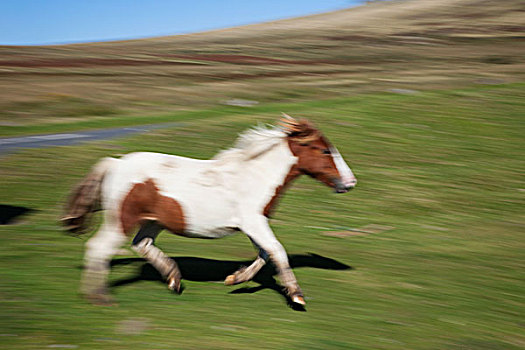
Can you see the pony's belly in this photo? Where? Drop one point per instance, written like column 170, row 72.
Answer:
column 218, row 232
column 211, row 215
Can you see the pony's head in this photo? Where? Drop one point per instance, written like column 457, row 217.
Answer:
column 317, row 157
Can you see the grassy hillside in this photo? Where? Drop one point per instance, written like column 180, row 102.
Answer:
column 411, row 44
column 441, row 173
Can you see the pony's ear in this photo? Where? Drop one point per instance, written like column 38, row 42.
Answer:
column 289, row 124
column 286, row 116
column 299, row 130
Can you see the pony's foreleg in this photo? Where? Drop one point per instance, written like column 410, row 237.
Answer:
column 99, row 251
column 143, row 245
column 259, row 231
column 245, row 274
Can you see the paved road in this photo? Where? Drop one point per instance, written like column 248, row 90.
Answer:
column 11, row 144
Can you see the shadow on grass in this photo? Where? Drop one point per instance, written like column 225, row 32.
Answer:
column 203, row 270
column 9, row 214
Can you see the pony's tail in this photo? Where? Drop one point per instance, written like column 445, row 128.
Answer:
column 84, row 200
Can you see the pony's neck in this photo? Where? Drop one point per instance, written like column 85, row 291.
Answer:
column 267, row 175
column 293, row 173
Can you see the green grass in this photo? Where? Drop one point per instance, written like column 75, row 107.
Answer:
column 100, row 122
column 444, row 169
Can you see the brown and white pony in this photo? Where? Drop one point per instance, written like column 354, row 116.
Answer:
column 234, row 191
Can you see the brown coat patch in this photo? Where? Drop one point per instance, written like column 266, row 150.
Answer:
column 144, row 202
column 294, row 172
column 312, row 161
column 307, row 144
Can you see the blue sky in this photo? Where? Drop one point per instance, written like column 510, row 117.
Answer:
column 26, row 22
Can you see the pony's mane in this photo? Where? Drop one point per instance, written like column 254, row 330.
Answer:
column 253, row 142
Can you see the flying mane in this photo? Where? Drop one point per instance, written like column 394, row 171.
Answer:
column 252, row 143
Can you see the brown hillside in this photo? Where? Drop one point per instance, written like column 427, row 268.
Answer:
column 411, row 44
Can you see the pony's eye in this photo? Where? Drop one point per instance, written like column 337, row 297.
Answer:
column 326, row 151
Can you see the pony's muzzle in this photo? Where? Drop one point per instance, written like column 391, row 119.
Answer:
column 343, row 186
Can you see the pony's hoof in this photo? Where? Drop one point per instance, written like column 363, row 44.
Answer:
column 174, row 285
column 298, row 299
column 100, row 299
column 230, row 280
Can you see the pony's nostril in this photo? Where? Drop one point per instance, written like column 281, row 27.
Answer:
column 350, row 183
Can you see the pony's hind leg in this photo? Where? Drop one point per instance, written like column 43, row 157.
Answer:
column 99, row 251
column 143, row 245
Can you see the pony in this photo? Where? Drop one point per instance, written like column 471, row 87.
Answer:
column 144, row 193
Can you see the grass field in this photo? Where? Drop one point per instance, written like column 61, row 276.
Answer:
column 440, row 171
